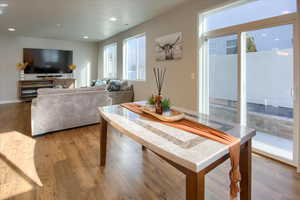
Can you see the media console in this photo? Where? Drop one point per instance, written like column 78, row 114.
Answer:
column 28, row 88
column 49, row 76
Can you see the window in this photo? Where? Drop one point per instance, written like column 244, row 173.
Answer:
column 249, row 12
column 231, row 47
column 110, row 61
column 240, row 67
column 134, row 64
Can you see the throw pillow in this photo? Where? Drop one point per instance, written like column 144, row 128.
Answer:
column 97, row 83
column 114, row 85
column 124, row 86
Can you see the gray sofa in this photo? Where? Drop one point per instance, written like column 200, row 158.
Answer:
column 119, row 97
column 59, row 109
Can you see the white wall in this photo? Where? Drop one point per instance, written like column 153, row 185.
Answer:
column 180, row 87
column 269, row 77
column 85, row 56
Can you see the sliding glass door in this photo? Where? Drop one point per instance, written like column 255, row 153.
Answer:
column 222, row 71
column 269, row 89
column 249, row 79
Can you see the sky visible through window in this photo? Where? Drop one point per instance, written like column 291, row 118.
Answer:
column 274, row 38
column 252, row 11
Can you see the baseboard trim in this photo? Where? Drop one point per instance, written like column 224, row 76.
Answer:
column 11, row 101
column 61, row 130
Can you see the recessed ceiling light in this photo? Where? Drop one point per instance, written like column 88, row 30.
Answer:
column 113, row 19
column 3, row 5
column 277, row 39
column 11, row 29
column 58, row 25
column 85, row 37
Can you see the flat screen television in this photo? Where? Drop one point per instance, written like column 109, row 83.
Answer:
column 47, row 61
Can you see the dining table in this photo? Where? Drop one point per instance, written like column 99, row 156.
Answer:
column 195, row 156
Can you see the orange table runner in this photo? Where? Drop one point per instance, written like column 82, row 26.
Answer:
column 205, row 131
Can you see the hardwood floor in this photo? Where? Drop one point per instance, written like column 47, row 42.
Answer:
column 64, row 166
column 15, row 117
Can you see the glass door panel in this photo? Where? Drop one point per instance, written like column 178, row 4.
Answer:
column 222, row 71
column 269, row 89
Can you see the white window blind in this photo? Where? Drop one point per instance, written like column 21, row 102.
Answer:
column 110, row 61
column 134, row 62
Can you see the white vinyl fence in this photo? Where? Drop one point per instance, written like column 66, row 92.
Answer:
column 269, row 77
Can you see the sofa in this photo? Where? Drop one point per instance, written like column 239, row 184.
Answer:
column 120, row 91
column 59, row 109
column 123, row 96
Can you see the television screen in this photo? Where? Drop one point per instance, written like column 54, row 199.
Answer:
column 47, row 61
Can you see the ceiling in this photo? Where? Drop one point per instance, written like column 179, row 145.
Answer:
column 72, row 19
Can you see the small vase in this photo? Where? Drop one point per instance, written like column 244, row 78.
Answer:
column 158, row 105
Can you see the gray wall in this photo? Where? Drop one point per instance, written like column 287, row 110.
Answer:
column 11, row 52
column 179, row 85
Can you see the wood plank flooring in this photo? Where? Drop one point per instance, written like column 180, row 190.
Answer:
column 64, row 166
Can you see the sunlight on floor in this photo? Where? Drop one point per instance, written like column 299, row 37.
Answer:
column 17, row 153
column 12, row 183
column 277, row 146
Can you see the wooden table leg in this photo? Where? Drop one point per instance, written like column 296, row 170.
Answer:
column 103, row 141
column 195, row 186
column 195, row 182
column 246, row 171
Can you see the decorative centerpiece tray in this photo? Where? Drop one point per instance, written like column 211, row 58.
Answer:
column 167, row 116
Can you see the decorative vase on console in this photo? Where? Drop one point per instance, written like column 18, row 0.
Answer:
column 73, row 68
column 159, row 75
column 21, row 67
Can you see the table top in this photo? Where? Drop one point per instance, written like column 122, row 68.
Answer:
column 186, row 149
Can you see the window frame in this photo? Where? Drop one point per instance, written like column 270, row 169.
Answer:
column 125, row 49
column 115, row 44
